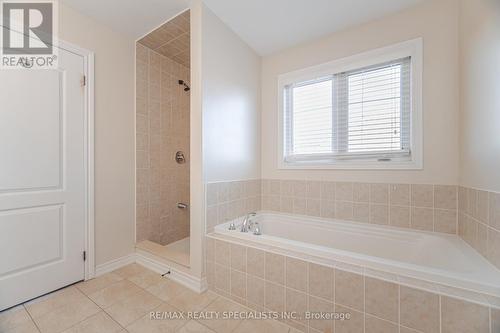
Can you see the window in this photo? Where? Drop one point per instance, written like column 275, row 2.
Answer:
column 361, row 114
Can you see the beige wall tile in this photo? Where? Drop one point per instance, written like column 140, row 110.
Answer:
column 349, row 290
column 222, row 278
column 328, row 191
column 274, row 187
column 343, row 210
column 238, row 284
column 494, row 247
column 459, row 316
column 299, row 206
column 382, row 299
column 328, row 209
column 422, row 218
column 256, row 290
column 445, row 220
column 377, row 325
column 239, row 257
column 256, row 263
column 275, row 268
column 361, row 192
column 286, row 188
column 379, row 214
column 422, row 195
column 400, row 216
column 494, row 210
column 286, row 204
column 419, row 310
column 399, row 194
column 275, row 297
column 355, row 324
column 445, row 196
column 296, row 274
column 482, row 206
column 296, row 301
column 313, row 207
column 318, row 305
column 321, row 281
column 343, row 191
column 361, row 212
column 314, row 189
column 222, row 253
column 379, row 194
column 495, row 320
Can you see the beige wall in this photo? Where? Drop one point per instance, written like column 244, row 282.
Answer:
column 231, row 103
column 114, row 131
column 480, row 94
column 437, row 23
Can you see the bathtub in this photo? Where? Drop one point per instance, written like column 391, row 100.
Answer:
column 437, row 258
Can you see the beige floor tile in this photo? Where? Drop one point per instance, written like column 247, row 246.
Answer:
column 166, row 289
column 261, row 326
column 130, row 270
column 189, row 300
column 98, row 323
column 91, row 286
column 132, row 308
column 220, row 325
column 26, row 327
column 45, row 304
column 194, row 327
column 159, row 325
column 14, row 317
column 114, row 293
column 66, row 316
column 146, row 278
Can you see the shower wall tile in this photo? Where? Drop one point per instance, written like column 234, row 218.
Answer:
column 162, row 128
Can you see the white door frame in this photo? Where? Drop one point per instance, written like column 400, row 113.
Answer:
column 88, row 72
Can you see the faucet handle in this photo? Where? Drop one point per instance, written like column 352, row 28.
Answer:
column 256, row 229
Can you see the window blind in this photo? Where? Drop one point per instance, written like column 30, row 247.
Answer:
column 362, row 113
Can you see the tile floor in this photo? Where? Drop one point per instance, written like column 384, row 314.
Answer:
column 121, row 301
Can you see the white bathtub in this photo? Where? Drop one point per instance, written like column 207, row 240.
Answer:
column 432, row 257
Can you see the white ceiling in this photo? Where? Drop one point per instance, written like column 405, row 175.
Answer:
column 134, row 18
column 267, row 26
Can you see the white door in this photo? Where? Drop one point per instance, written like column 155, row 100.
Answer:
column 42, row 179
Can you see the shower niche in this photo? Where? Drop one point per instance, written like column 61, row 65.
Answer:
column 162, row 140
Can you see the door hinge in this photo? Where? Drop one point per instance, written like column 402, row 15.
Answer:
column 84, row 255
column 84, row 81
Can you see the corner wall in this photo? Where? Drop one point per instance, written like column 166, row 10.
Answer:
column 114, row 131
column 480, row 95
column 231, row 103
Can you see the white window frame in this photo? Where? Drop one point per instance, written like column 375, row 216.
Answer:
column 412, row 48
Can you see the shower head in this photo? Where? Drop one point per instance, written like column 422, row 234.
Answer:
column 186, row 86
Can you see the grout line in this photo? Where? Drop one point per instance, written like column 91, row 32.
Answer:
column 32, row 319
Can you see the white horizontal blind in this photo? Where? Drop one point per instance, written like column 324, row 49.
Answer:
column 363, row 113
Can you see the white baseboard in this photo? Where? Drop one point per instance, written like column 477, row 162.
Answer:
column 191, row 282
column 114, row 264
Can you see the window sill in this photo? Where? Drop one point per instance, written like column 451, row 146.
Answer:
column 352, row 165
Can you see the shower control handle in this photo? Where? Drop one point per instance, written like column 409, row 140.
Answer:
column 182, row 205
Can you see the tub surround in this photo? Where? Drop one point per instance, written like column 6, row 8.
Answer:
column 479, row 221
column 229, row 200
column 265, row 278
column 472, row 214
